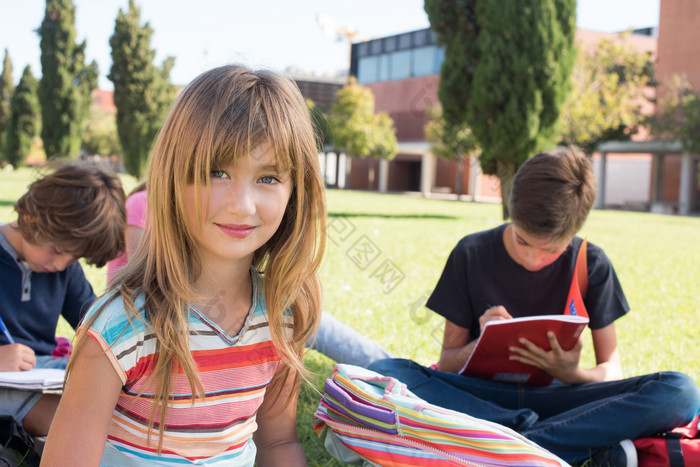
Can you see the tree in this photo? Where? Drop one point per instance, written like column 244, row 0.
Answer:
column 66, row 84
column 7, row 88
column 322, row 127
column 678, row 114
column 143, row 93
column 23, row 125
column 607, row 94
column 100, row 133
column 450, row 142
column 358, row 130
column 516, row 78
column 454, row 22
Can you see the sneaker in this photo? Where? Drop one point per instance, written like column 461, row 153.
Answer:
column 619, row 455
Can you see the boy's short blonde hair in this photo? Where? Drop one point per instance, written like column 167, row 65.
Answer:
column 552, row 194
column 78, row 209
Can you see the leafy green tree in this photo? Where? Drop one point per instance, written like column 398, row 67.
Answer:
column 607, row 95
column 678, row 114
column 450, row 142
column 358, row 130
column 454, row 22
column 142, row 91
column 322, row 127
column 25, row 118
column 67, row 82
column 516, row 78
column 100, row 133
column 7, row 88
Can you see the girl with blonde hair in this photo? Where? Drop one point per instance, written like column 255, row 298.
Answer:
column 194, row 354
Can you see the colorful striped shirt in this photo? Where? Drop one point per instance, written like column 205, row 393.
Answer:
column 234, row 370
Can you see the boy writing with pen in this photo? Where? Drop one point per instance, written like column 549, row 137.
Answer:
column 525, row 268
column 74, row 212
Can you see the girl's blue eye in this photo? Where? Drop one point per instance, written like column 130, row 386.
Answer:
column 268, row 179
column 217, row 173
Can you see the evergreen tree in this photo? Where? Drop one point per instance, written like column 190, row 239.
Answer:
column 358, row 130
column 608, row 94
column 143, row 93
column 66, row 84
column 7, row 87
column 513, row 60
column 23, row 125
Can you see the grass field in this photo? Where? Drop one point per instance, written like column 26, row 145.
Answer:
column 385, row 253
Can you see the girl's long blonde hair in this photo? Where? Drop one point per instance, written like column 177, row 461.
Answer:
column 221, row 116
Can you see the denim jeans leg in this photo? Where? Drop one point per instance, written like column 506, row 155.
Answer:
column 588, row 417
column 454, row 392
column 338, row 341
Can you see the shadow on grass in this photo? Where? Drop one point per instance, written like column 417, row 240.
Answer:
column 392, row 216
column 7, row 202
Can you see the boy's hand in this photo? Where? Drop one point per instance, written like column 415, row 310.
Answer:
column 493, row 313
column 16, row 357
column 561, row 364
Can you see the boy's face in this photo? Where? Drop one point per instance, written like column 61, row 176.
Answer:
column 44, row 257
column 532, row 252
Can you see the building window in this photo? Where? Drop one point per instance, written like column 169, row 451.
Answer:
column 423, row 61
column 367, row 70
column 400, row 65
column 383, row 67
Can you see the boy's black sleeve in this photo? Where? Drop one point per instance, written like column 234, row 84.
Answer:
column 79, row 296
column 450, row 298
column 605, row 300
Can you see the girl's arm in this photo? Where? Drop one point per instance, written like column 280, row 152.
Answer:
column 79, row 430
column 132, row 238
column 276, row 438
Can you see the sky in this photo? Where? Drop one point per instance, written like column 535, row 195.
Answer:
column 275, row 34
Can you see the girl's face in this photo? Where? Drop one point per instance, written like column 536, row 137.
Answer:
column 532, row 252
column 243, row 209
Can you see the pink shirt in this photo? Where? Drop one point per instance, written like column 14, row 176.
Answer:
column 136, row 209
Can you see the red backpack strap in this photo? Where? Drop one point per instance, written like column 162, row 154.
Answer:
column 579, row 284
column 582, row 267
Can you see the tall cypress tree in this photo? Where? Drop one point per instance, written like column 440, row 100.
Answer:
column 66, row 83
column 520, row 84
column 24, row 120
column 7, row 87
column 142, row 91
column 506, row 74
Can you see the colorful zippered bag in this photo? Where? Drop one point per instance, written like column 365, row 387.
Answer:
column 374, row 420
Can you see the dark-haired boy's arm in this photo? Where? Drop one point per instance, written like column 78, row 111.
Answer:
column 79, row 296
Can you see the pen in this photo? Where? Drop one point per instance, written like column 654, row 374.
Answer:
column 6, row 332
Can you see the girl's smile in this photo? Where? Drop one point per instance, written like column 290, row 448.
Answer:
column 237, row 231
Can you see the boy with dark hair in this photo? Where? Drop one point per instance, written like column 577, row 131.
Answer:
column 74, row 212
column 526, row 268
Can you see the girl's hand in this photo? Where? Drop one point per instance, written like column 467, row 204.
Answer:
column 16, row 357
column 492, row 314
column 561, row 364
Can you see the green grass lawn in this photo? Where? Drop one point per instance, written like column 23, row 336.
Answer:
column 385, row 253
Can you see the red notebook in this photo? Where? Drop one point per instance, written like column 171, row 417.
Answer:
column 489, row 360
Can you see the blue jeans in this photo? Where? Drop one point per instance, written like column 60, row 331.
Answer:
column 338, row 341
column 572, row 421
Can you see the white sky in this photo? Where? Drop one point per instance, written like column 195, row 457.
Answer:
column 273, row 34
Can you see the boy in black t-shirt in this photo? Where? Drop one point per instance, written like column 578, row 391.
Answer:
column 524, row 269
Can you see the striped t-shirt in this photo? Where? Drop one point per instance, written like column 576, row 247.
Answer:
column 234, row 371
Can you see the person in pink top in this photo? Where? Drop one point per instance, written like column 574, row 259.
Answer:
column 136, row 209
